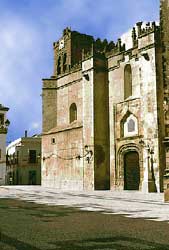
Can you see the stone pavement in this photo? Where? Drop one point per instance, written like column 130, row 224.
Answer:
column 128, row 203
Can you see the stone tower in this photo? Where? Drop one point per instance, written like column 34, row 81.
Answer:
column 106, row 110
column 75, row 140
column 67, row 54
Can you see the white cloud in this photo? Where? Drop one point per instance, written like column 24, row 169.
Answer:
column 20, row 81
column 34, row 126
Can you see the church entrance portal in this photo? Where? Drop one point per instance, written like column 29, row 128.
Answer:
column 131, row 171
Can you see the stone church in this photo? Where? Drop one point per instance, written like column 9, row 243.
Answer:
column 106, row 110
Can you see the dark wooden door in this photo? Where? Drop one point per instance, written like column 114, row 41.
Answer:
column 131, row 171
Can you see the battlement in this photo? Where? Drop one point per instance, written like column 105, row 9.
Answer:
column 73, row 47
column 144, row 30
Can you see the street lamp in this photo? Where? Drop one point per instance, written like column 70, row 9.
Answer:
column 151, row 178
column 89, row 154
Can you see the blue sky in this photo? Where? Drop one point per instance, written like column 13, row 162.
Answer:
column 28, row 29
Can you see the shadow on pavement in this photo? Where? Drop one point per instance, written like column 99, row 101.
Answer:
column 113, row 243
column 7, row 242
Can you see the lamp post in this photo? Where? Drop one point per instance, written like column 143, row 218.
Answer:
column 89, row 154
column 151, row 178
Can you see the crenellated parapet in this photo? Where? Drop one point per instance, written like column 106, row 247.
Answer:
column 106, row 47
column 73, row 47
column 116, row 49
column 143, row 30
column 102, row 48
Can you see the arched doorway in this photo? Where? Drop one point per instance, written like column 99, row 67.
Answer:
column 131, row 171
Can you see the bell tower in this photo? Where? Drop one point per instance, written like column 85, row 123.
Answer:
column 68, row 51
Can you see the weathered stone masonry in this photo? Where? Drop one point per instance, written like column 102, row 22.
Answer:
column 103, row 111
column 164, row 19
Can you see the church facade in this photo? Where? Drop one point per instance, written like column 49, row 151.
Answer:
column 105, row 111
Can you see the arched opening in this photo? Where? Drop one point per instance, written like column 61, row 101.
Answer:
column 131, row 171
column 127, row 81
column 73, row 112
column 129, row 125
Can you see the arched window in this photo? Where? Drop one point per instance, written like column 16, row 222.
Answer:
column 127, row 81
column 129, row 125
column 73, row 112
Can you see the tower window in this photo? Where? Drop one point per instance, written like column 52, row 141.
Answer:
column 127, row 81
column 72, row 112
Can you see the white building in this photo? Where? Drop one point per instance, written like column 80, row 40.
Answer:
column 24, row 161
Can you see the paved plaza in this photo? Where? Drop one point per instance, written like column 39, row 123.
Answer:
column 37, row 218
column 128, row 203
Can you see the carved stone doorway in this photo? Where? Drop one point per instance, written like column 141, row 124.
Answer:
column 131, row 171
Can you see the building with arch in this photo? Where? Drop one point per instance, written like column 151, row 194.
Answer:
column 105, row 111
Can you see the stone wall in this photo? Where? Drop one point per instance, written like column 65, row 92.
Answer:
column 64, row 141
column 49, row 102
column 96, row 122
column 69, row 91
column 60, row 167
column 101, row 125
column 142, row 104
column 164, row 20
column 94, row 80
